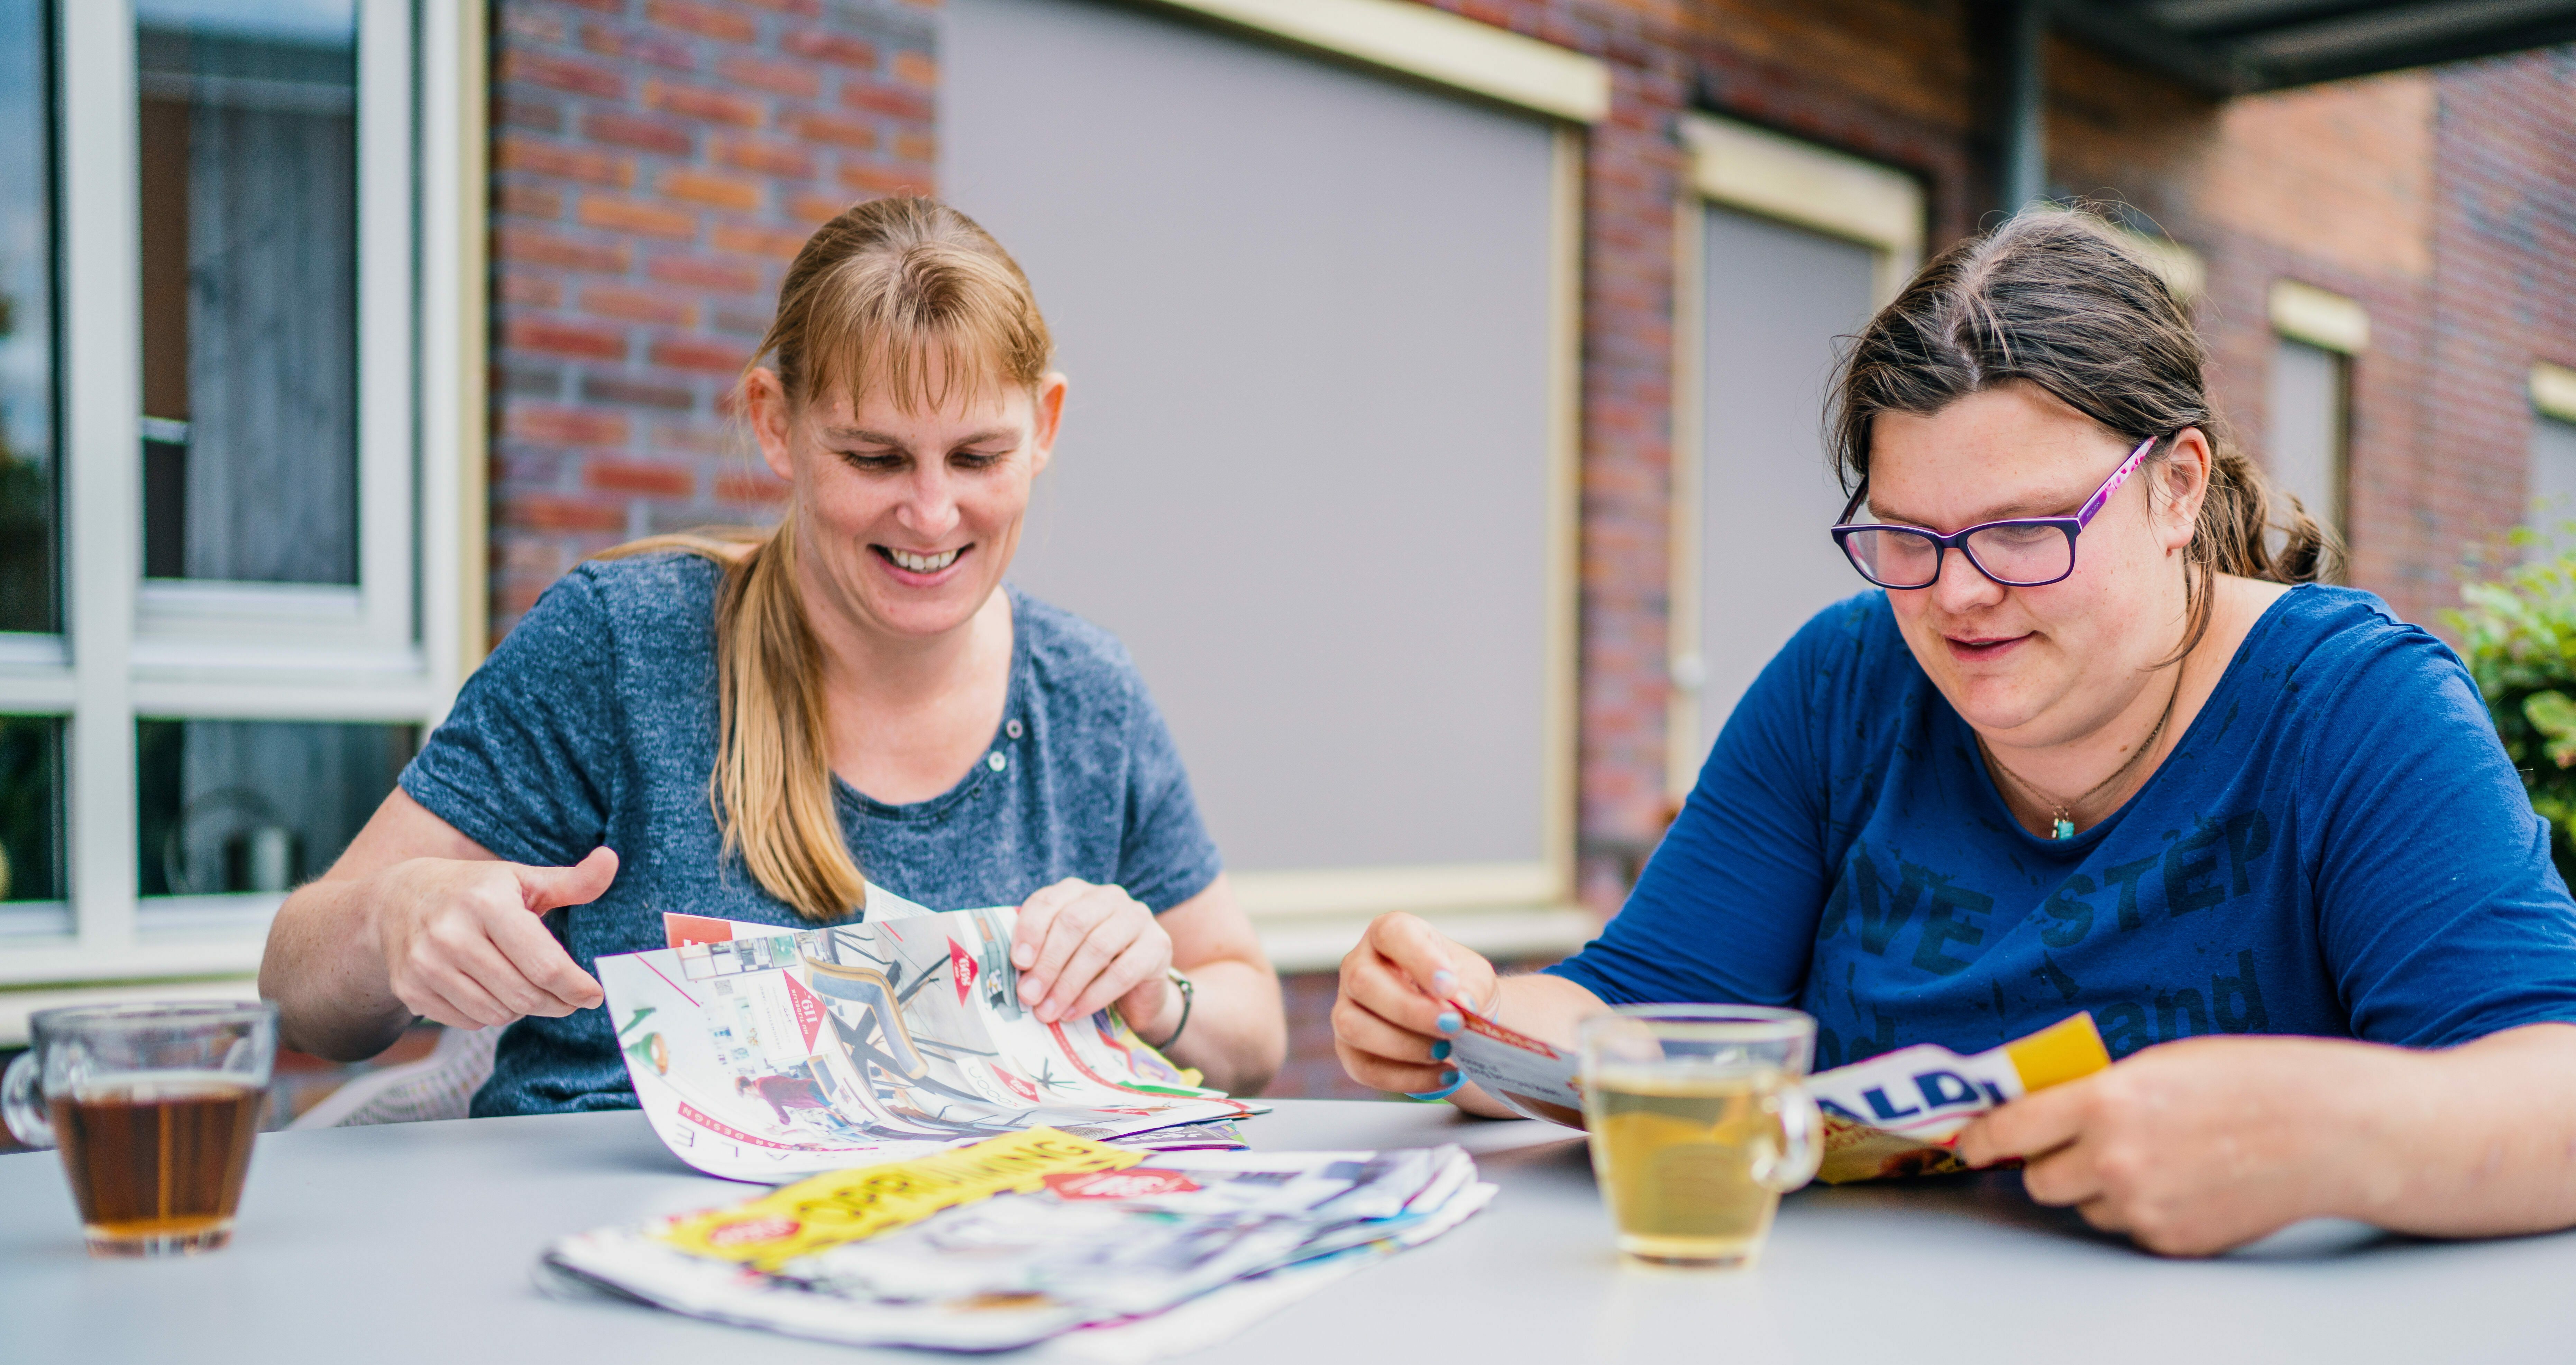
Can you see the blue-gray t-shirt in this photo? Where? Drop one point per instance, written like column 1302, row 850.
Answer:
column 2337, row 846
column 594, row 723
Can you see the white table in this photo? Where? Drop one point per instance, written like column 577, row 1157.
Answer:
column 413, row 1243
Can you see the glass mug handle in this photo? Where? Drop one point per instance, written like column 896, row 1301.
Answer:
column 21, row 1106
column 1801, row 1143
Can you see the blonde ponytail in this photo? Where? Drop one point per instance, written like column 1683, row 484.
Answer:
column 908, row 295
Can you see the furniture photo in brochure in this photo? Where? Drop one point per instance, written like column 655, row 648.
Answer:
column 762, row 1053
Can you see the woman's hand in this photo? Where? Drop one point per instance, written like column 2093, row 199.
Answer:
column 2205, row 1144
column 1393, row 1021
column 461, row 942
column 1081, row 947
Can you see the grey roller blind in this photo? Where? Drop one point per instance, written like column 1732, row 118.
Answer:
column 1776, row 297
column 2307, row 421
column 1304, row 466
column 2553, row 483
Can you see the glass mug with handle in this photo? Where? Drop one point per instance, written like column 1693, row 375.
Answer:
column 1699, row 1122
column 154, row 1107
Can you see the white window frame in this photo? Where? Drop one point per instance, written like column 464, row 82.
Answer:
column 391, row 649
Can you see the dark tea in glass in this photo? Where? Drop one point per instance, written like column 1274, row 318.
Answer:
column 154, row 1108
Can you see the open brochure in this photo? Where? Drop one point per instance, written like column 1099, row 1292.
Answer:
column 1033, row 1236
column 1893, row 1114
column 762, row 1053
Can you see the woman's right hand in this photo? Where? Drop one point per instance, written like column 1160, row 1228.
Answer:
column 462, row 942
column 1394, row 1020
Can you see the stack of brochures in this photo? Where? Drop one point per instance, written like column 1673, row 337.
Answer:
column 1098, row 1251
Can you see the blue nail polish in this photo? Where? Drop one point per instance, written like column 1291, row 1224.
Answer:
column 1451, row 1079
column 1440, row 1050
column 1449, row 1022
column 1444, row 981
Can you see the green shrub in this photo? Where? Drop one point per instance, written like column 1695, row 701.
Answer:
column 2518, row 632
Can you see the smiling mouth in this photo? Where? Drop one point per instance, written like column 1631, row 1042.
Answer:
column 918, row 563
column 1985, row 645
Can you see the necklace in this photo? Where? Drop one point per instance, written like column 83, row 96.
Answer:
column 2061, row 826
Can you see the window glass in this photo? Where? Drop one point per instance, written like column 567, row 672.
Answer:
column 28, row 600
column 230, row 805
column 31, row 808
column 249, row 234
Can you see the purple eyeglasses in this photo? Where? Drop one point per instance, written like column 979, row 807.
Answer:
column 2025, row 552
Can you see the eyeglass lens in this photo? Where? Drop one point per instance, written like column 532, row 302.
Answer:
column 1899, row 557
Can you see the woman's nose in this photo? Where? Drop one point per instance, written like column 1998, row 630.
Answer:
column 1961, row 586
column 931, row 508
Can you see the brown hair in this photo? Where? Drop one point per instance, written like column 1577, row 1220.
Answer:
column 2058, row 299
column 904, row 294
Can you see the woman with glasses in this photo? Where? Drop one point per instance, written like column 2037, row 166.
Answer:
column 2099, row 738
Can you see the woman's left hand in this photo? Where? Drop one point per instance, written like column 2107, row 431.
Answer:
column 2199, row 1145
column 1082, row 947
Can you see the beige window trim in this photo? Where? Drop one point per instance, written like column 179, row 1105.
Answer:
column 454, row 365
column 1760, row 171
column 2303, row 312
column 1757, row 171
column 1433, row 45
column 2553, row 390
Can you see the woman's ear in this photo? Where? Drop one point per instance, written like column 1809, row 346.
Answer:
column 1047, row 418
column 764, row 400
column 2184, row 474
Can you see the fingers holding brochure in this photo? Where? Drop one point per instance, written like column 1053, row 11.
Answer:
column 1395, row 1018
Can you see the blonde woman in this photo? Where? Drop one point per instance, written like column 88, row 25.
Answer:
column 756, row 727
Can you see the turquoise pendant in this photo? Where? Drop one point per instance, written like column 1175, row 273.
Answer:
column 2064, row 829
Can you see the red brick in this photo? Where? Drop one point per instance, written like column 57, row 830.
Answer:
column 876, row 180
column 617, row 214
column 626, row 130
column 878, row 99
column 707, row 272
column 690, row 352
column 716, row 191
column 528, row 201
column 636, row 476
column 566, row 426
column 518, row 109
column 564, row 338
column 916, row 68
column 920, row 147
column 808, row 8
column 602, row 388
column 840, row 49
column 554, row 512
column 708, row 21
column 816, row 127
column 639, row 45
column 817, row 209
column 697, row 102
column 793, row 79
column 752, row 241
column 561, row 73
column 535, row 291
column 637, row 305
column 528, row 246
column 767, row 156
column 760, row 487
column 519, row 152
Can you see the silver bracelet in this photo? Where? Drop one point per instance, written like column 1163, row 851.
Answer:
column 1189, row 996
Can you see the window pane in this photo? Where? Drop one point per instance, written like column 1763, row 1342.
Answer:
column 2307, row 427
column 31, row 808
column 232, row 805
column 249, row 229
column 27, row 504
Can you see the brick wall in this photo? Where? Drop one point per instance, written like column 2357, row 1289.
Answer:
column 655, row 164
